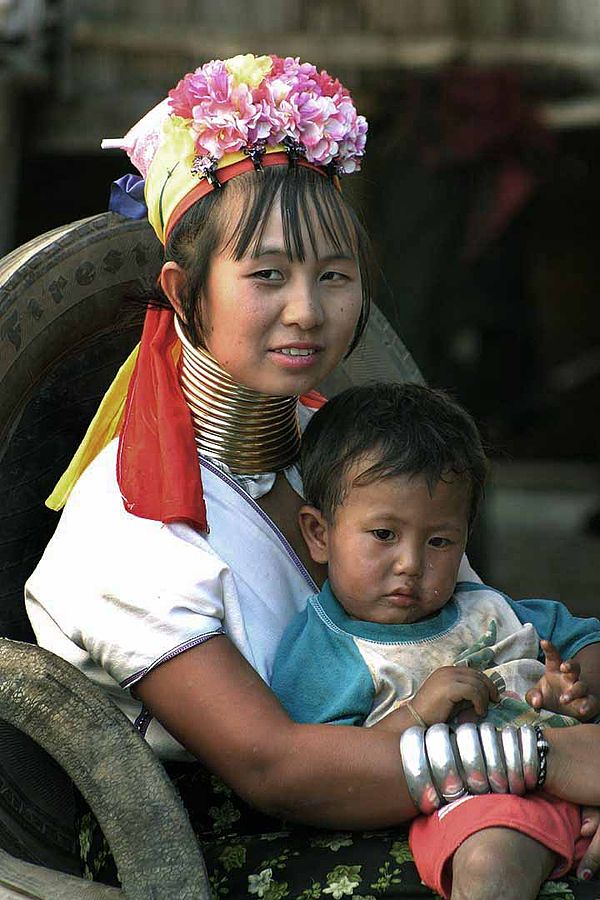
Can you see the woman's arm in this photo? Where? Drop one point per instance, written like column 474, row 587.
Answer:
column 216, row 705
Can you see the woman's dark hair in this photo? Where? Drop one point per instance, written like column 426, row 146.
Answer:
column 310, row 203
column 410, row 429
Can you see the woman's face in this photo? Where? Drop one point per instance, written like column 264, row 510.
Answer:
column 276, row 326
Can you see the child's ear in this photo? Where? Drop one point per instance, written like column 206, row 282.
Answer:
column 173, row 281
column 315, row 532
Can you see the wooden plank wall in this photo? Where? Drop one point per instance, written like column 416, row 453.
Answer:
column 125, row 54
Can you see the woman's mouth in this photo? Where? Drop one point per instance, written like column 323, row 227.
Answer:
column 295, row 357
column 295, row 351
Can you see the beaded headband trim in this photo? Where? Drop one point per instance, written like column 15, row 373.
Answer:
column 241, row 109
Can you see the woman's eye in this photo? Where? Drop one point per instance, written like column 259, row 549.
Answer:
column 268, row 275
column 383, row 534
column 439, row 542
column 334, row 276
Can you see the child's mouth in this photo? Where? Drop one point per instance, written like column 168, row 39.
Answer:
column 403, row 598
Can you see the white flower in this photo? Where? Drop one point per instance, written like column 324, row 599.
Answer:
column 342, row 887
column 258, row 884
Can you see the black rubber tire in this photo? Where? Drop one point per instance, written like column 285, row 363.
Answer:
column 38, row 805
column 119, row 776
column 59, row 290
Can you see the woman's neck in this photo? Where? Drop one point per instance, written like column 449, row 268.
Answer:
column 250, row 432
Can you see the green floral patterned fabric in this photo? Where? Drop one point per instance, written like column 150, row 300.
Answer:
column 249, row 855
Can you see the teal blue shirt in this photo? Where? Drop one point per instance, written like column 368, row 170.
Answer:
column 332, row 668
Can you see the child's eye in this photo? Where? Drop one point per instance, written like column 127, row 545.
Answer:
column 439, row 542
column 268, row 275
column 383, row 534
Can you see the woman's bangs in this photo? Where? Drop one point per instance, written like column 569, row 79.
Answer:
column 311, row 210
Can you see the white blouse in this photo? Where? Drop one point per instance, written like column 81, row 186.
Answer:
column 116, row 595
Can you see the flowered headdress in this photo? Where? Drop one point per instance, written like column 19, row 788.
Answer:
column 225, row 118
column 230, row 116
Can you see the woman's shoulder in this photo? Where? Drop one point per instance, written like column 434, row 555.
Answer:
column 95, row 521
column 308, row 406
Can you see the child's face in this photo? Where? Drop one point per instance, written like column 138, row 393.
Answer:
column 394, row 548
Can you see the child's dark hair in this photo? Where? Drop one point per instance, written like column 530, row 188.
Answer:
column 409, row 428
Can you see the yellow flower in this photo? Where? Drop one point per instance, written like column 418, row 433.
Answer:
column 248, row 69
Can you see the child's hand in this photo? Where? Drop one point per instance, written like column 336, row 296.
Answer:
column 560, row 688
column 452, row 688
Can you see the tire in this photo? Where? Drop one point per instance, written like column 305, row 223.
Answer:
column 61, row 289
column 117, row 773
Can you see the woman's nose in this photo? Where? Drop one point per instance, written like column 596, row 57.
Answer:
column 303, row 306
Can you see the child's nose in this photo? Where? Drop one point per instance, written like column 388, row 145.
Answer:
column 409, row 560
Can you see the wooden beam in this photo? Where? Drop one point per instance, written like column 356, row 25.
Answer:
column 358, row 49
column 577, row 112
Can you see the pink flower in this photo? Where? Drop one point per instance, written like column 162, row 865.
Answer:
column 352, row 149
column 293, row 100
column 210, row 81
column 222, row 115
column 279, row 115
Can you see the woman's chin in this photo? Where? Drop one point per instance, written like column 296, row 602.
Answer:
column 282, row 381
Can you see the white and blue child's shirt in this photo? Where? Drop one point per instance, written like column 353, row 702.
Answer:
column 331, row 668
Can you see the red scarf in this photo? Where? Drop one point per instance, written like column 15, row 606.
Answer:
column 157, row 463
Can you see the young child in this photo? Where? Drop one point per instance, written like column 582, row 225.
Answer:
column 393, row 475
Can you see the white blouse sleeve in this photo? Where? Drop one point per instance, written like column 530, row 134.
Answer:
column 128, row 592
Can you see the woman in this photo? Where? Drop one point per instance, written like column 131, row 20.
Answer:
column 170, row 583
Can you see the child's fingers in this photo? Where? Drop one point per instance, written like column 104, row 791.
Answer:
column 588, row 707
column 534, row 698
column 574, row 692
column 553, row 657
column 592, row 704
column 473, row 688
column 570, row 670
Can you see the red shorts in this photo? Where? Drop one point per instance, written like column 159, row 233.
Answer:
column 554, row 823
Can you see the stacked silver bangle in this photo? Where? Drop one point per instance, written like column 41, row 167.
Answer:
column 441, row 765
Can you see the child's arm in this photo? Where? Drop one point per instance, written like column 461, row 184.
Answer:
column 447, row 690
column 564, row 687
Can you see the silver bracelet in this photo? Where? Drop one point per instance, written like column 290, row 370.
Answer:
column 443, row 762
column 530, row 756
column 417, row 772
column 472, row 759
column 441, row 767
column 512, row 757
column 494, row 758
